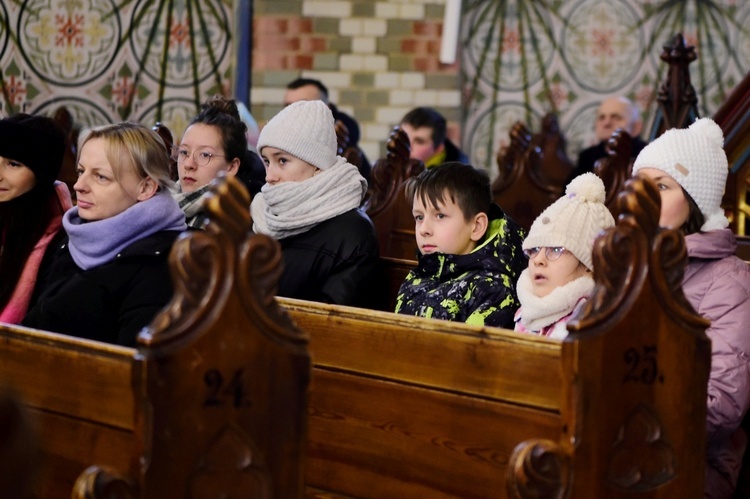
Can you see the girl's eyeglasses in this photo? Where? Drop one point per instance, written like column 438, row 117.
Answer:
column 552, row 253
column 200, row 157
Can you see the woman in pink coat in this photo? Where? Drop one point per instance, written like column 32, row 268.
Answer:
column 31, row 205
column 690, row 168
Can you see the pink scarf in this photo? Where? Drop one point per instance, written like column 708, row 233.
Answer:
column 16, row 308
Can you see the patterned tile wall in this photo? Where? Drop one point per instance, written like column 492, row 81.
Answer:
column 112, row 60
column 518, row 60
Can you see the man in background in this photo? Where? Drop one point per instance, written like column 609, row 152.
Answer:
column 426, row 129
column 613, row 113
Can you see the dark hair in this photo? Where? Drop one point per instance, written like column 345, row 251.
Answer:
column 23, row 221
column 223, row 114
column 466, row 186
column 695, row 220
column 304, row 82
column 427, row 117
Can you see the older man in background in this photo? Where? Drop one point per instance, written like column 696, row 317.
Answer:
column 613, row 113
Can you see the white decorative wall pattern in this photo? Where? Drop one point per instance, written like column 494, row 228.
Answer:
column 524, row 58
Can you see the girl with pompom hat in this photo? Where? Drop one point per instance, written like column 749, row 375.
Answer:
column 690, row 168
column 559, row 245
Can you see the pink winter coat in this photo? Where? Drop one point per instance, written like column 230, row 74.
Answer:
column 717, row 285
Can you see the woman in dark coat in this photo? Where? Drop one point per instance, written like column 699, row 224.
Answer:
column 31, row 206
column 110, row 275
column 310, row 203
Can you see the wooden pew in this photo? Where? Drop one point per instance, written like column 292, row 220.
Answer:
column 532, row 171
column 386, row 205
column 210, row 404
column 399, row 406
column 409, row 407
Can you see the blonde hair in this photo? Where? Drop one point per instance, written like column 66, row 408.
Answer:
column 130, row 145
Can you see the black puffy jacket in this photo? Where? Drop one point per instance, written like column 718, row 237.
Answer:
column 333, row 262
column 111, row 302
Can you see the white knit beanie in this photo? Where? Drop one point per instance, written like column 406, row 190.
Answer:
column 304, row 129
column 574, row 220
column 695, row 158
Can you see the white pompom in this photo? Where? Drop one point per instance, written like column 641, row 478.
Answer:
column 709, row 129
column 587, row 187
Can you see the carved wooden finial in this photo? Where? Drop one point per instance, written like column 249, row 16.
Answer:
column 511, row 160
column 202, row 262
column 388, row 174
column 615, row 168
column 678, row 102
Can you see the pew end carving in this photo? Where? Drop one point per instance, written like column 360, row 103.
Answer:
column 616, row 168
column 68, row 174
column 385, row 203
column 351, row 153
column 533, row 170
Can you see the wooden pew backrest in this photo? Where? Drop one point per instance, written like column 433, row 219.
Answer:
column 386, row 205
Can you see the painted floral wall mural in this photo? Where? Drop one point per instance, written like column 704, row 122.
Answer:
column 114, row 60
column 523, row 58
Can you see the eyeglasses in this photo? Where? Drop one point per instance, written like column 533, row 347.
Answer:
column 552, row 253
column 200, row 157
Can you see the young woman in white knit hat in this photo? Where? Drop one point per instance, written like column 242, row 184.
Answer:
column 558, row 280
column 310, row 203
column 690, row 168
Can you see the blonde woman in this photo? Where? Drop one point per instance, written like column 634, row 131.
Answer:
column 110, row 275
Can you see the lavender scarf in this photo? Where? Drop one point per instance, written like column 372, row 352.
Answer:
column 95, row 243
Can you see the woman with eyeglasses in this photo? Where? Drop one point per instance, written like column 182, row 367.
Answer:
column 559, row 246
column 214, row 142
column 32, row 203
column 110, row 275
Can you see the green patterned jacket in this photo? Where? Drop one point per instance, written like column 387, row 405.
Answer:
column 478, row 288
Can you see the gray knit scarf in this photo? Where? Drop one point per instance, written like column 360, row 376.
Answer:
column 538, row 312
column 290, row 208
column 191, row 203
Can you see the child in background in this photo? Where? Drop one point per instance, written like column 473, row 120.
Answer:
column 558, row 280
column 470, row 251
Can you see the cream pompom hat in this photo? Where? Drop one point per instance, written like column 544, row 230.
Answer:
column 695, row 158
column 574, row 220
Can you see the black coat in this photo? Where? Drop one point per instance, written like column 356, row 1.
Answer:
column 587, row 158
column 111, row 302
column 333, row 262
